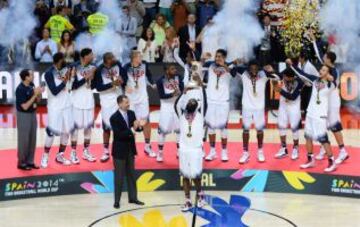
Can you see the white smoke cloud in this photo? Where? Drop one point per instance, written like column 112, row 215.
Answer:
column 236, row 29
column 17, row 22
column 341, row 18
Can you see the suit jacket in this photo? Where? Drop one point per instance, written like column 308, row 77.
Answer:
column 124, row 139
column 184, row 38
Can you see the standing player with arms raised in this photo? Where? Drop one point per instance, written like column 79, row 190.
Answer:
column 317, row 114
column 334, row 119
column 191, row 115
column 218, row 79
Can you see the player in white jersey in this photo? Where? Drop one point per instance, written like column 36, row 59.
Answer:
column 317, row 114
column 253, row 107
column 169, row 88
column 60, row 118
column 334, row 119
column 138, row 78
column 191, row 117
column 110, row 85
column 218, row 95
column 83, row 104
column 289, row 110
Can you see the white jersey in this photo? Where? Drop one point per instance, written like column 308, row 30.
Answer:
column 104, row 78
column 166, row 88
column 82, row 95
column 253, row 97
column 58, row 93
column 319, row 101
column 335, row 102
column 218, row 84
column 191, row 126
column 320, row 95
column 137, row 79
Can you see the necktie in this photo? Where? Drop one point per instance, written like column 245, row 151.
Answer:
column 126, row 118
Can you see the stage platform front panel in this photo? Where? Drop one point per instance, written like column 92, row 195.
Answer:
column 272, row 176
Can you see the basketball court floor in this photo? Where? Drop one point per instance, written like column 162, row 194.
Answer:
column 162, row 209
column 224, row 208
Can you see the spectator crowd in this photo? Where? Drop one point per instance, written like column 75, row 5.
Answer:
column 154, row 27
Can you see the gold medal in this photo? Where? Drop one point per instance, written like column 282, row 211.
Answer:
column 253, row 83
column 318, row 101
column 189, row 134
column 136, row 84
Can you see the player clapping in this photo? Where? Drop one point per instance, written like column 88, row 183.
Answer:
column 139, row 76
column 169, row 88
column 60, row 116
column 83, row 104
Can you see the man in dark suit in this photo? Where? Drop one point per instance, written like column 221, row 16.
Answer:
column 124, row 150
column 188, row 35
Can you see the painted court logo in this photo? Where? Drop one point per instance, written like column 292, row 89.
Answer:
column 217, row 212
column 345, row 186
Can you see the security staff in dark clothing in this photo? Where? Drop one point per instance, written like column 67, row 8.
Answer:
column 124, row 150
column 27, row 97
